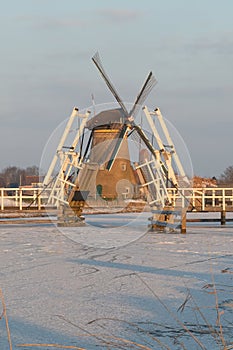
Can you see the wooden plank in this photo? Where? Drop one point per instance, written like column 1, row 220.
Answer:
column 165, row 224
column 208, row 220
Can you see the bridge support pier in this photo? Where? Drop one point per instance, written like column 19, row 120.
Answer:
column 168, row 219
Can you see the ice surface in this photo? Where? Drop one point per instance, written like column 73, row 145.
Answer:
column 59, row 290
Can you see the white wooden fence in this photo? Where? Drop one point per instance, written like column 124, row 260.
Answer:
column 21, row 198
column 202, row 199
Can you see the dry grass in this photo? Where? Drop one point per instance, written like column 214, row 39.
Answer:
column 107, row 341
column 45, row 345
column 4, row 315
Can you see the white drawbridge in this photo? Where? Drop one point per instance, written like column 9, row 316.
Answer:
column 74, row 169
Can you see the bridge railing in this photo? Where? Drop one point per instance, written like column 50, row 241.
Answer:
column 21, row 198
column 202, row 199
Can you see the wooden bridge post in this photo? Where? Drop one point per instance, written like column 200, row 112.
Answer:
column 183, row 222
column 39, row 200
column 223, row 199
column 2, row 199
column 223, row 217
column 20, row 199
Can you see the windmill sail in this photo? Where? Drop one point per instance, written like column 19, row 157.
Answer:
column 145, row 90
column 97, row 61
column 141, row 97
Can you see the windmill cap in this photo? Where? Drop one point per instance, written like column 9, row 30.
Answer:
column 107, row 117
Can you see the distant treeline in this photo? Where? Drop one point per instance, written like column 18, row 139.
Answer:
column 13, row 176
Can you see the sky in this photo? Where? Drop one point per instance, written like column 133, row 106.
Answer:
column 46, row 69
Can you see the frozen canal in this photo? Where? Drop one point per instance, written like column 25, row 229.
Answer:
column 107, row 287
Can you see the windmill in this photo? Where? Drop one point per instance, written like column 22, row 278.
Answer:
column 98, row 164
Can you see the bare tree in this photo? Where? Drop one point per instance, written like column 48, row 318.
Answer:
column 13, row 176
column 32, row 170
column 227, row 176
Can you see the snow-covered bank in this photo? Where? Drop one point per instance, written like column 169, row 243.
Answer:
column 60, row 291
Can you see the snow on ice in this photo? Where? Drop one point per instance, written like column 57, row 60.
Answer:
column 79, row 288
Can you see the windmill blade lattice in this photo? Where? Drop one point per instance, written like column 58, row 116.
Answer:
column 146, row 89
column 97, row 61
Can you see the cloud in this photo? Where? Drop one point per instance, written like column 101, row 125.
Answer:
column 41, row 22
column 54, row 23
column 120, row 15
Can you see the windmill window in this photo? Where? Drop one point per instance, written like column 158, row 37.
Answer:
column 127, row 190
column 99, row 189
column 123, row 167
